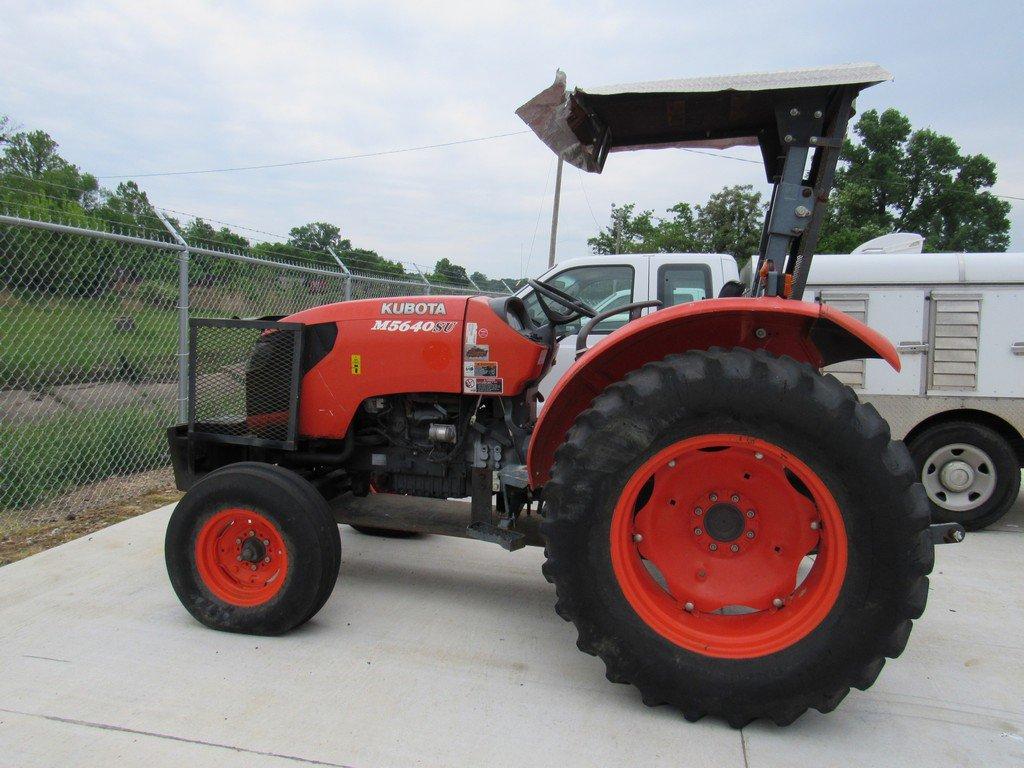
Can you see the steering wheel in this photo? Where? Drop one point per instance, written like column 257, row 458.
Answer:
column 577, row 308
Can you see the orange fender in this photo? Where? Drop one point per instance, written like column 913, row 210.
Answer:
column 809, row 332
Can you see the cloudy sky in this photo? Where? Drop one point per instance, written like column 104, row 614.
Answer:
column 134, row 88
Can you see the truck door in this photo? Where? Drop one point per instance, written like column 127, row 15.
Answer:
column 679, row 279
column 609, row 282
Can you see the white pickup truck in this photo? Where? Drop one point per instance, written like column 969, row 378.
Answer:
column 958, row 401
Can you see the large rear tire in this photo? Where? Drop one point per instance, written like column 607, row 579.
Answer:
column 736, row 535
column 252, row 548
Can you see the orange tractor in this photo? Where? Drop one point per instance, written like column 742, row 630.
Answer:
column 729, row 529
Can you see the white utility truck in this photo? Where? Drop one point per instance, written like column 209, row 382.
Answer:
column 958, row 401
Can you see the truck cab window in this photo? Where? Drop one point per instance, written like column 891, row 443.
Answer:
column 682, row 283
column 601, row 287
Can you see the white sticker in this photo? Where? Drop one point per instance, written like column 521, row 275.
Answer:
column 404, row 326
column 477, row 352
column 487, row 369
column 470, row 333
column 470, row 385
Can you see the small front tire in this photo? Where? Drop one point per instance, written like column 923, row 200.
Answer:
column 252, row 548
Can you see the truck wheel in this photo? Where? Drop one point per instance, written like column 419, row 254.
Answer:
column 252, row 548
column 970, row 473
column 736, row 535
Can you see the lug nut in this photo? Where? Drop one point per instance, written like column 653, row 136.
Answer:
column 750, row 513
column 815, row 525
column 266, row 559
column 734, row 547
column 251, row 533
column 698, row 511
column 672, row 463
column 688, row 607
column 760, row 333
column 266, row 542
column 713, row 547
column 713, row 497
column 697, row 531
column 638, row 537
column 735, row 497
column 750, row 534
column 778, row 602
column 238, row 541
column 253, row 567
column 758, row 455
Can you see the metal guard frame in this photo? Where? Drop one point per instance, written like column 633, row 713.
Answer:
column 291, row 441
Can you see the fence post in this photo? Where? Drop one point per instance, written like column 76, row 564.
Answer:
column 472, row 281
column 506, row 286
column 423, row 278
column 348, row 275
column 182, row 318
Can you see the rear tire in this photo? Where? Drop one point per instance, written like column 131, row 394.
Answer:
column 720, row 411
column 990, row 469
column 252, row 548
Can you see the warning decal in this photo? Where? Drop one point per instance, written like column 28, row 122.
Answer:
column 357, row 365
column 477, row 352
column 487, row 369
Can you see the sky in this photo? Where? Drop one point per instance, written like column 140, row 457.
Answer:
column 133, row 88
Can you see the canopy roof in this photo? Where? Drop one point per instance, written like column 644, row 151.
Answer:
column 583, row 125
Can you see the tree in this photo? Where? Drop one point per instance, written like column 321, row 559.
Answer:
column 895, row 179
column 731, row 222
column 447, row 273
column 199, row 232
column 628, row 232
column 317, row 237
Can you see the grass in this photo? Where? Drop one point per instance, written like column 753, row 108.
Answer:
column 51, row 342
column 45, row 457
column 35, row 538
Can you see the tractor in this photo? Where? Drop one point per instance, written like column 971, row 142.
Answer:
column 730, row 530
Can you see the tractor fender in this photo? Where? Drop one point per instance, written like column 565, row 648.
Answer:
column 806, row 331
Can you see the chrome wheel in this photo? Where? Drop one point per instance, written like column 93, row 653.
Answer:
column 959, row 477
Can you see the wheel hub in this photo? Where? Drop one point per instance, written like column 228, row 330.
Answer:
column 253, row 550
column 724, row 522
column 709, row 542
column 241, row 557
column 957, row 475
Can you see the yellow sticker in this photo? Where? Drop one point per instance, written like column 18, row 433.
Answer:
column 357, row 365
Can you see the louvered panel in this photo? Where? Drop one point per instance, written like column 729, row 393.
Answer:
column 956, row 323
column 850, row 372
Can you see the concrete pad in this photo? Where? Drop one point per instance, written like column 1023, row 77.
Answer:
column 448, row 652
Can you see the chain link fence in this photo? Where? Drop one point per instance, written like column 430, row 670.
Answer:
column 91, row 359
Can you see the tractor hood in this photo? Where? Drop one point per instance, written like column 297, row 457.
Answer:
column 583, row 125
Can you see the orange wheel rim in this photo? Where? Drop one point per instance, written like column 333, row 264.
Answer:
column 728, row 546
column 241, row 557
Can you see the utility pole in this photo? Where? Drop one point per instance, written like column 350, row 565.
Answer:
column 554, row 213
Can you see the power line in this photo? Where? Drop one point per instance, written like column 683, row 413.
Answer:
column 587, row 198
column 314, row 161
column 536, row 225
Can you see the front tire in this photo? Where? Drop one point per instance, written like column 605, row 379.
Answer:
column 685, row 506
column 252, row 548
